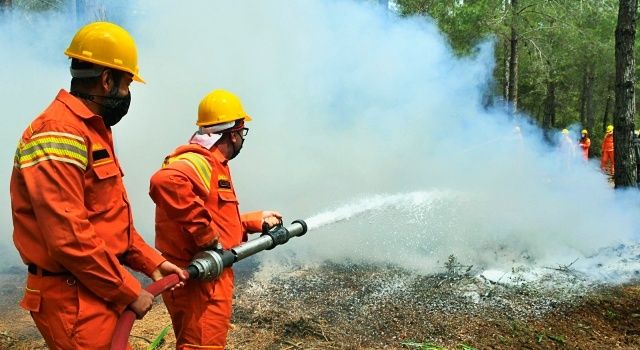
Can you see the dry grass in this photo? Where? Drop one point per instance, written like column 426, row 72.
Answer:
column 366, row 307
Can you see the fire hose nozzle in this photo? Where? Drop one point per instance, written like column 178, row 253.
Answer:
column 208, row 265
column 281, row 235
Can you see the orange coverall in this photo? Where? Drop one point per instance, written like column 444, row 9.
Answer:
column 72, row 224
column 607, row 163
column 585, row 143
column 195, row 202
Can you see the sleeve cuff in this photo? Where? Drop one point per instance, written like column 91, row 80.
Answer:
column 127, row 293
column 155, row 259
column 148, row 260
column 252, row 221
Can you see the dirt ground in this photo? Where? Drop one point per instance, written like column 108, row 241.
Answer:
column 366, row 307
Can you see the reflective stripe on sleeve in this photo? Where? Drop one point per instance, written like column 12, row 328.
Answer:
column 57, row 146
column 198, row 163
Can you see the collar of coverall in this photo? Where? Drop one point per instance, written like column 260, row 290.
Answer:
column 74, row 104
column 207, row 136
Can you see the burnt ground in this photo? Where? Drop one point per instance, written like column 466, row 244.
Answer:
column 372, row 307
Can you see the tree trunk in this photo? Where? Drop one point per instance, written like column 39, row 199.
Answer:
column 505, row 86
column 513, row 59
column 587, row 113
column 583, row 93
column 549, row 114
column 590, row 113
column 625, row 107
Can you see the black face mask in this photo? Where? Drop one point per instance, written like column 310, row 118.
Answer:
column 236, row 151
column 114, row 107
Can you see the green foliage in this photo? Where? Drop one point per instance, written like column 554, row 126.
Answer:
column 559, row 339
column 454, row 268
column 560, row 42
column 612, row 315
column 430, row 346
column 465, row 25
column 465, row 347
column 422, row 346
column 38, row 5
column 159, row 339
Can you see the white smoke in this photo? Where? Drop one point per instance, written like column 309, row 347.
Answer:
column 348, row 101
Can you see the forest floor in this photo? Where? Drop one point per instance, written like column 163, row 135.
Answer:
column 371, row 307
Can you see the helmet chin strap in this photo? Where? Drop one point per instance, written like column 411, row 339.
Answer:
column 82, row 73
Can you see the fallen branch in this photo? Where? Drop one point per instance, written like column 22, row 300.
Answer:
column 293, row 345
column 563, row 268
column 322, row 332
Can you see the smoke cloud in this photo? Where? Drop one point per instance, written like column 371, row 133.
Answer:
column 351, row 106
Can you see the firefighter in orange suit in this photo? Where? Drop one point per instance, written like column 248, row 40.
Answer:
column 585, row 143
column 607, row 163
column 197, row 209
column 72, row 221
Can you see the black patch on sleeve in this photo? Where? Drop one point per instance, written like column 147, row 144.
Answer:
column 224, row 184
column 100, row 154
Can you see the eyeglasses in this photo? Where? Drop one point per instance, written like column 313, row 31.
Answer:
column 243, row 131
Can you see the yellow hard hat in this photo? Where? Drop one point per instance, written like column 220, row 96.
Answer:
column 105, row 44
column 584, row 131
column 220, row 106
column 609, row 128
column 565, row 131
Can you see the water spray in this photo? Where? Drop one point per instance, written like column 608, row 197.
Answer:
column 207, row 266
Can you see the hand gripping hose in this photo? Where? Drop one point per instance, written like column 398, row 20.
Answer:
column 125, row 323
column 208, row 266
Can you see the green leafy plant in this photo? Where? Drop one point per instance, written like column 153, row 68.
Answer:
column 423, row 346
column 159, row 339
column 557, row 338
column 454, row 268
column 430, row 346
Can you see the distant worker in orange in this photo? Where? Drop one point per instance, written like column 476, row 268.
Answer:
column 585, row 143
column 607, row 162
column 72, row 221
column 197, row 209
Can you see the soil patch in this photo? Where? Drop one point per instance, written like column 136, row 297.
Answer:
column 372, row 307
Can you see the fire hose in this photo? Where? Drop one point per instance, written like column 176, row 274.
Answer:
column 207, row 266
